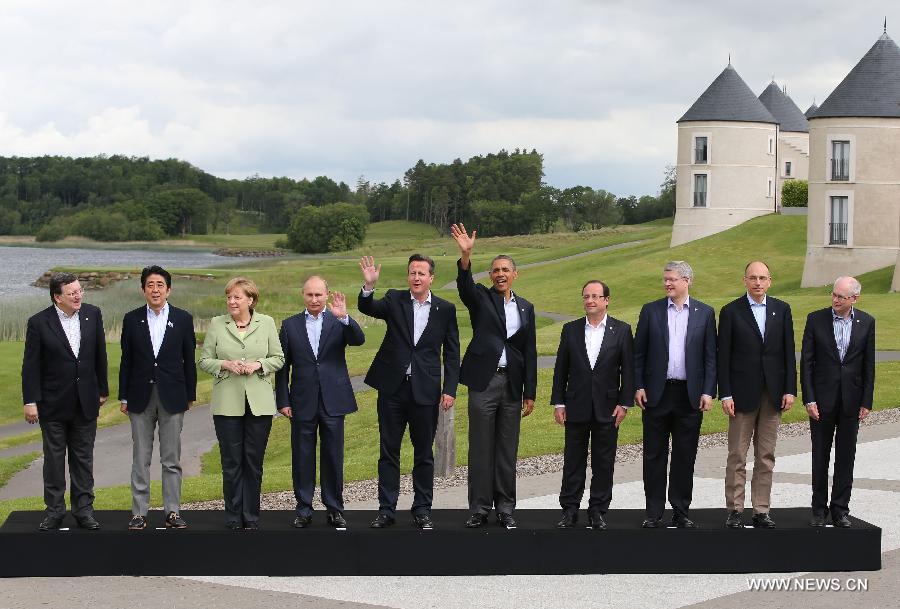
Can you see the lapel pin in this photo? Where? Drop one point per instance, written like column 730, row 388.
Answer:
column 170, row 324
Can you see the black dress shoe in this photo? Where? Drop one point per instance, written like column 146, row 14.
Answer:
column 596, row 521
column 683, row 522
column 336, row 520
column 251, row 526
column 763, row 521
column 137, row 523
column 734, row 520
column 652, row 523
column 476, row 520
column 506, row 520
column 382, row 521
column 87, row 522
column 301, row 522
column 568, row 520
column 842, row 521
column 50, row 522
column 175, row 521
column 817, row 521
column 423, row 521
column 233, row 525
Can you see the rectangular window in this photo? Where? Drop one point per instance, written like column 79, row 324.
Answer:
column 769, row 187
column 839, row 219
column 771, row 149
column 700, row 190
column 840, row 160
column 701, row 145
column 787, row 169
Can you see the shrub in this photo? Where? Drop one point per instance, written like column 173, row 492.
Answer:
column 52, row 231
column 795, row 193
column 329, row 228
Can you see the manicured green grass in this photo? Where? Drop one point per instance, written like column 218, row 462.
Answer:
column 10, row 466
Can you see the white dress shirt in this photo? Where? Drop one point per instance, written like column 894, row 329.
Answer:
column 157, row 325
column 421, row 310
column 71, row 325
column 513, row 323
column 593, row 339
column 759, row 313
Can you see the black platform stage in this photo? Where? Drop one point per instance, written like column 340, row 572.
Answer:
column 535, row 547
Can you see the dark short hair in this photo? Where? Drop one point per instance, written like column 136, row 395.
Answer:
column 421, row 258
column 502, row 257
column 57, row 281
column 605, row 287
column 155, row 270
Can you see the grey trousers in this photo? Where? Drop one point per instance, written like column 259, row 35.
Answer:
column 494, row 421
column 143, row 428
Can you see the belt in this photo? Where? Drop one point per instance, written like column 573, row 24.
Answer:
column 676, row 382
column 501, row 370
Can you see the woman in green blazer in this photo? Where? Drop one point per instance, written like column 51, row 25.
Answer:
column 242, row 351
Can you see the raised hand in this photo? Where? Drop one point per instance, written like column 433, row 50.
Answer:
column 370, row 271
column 338, row 305
column 463, row 240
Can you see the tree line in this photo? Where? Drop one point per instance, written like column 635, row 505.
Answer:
column 116, row 198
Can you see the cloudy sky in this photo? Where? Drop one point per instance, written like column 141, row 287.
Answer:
column 301, row 88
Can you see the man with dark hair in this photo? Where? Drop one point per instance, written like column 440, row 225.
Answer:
column 313, row 390
column 593, row 385
column 500, row 370
column 406, row 372
column 837, row 378
column 757, row 370
column 675, row 376
column 157, row 384
column 64, row 383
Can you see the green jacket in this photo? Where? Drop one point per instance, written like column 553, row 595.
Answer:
column 261, row 344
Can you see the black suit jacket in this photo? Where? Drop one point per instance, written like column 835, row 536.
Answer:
column 748, row 362
column 397, row 350
column 824, row 378
column 310, row 374
column 172, row 372
column 53, row 378
column 651, row 351
column 594, row 393
column 489, row 339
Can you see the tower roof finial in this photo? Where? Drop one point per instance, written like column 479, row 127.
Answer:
column 885, row 24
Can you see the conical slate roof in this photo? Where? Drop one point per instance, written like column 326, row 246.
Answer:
column 783, row 108
column 871, row 89
column 728, row 98
column 811, row 110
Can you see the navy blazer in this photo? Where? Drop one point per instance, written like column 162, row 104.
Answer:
column 827, row 380
column 593, row 393
column 748, row 361
column 651, row 351
column 397, row 350
column 53, row 378
column 172, row 371
column 489, row 339
column 304, row 375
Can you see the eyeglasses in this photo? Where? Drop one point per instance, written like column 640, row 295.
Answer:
column 75, row 293
column 842, row 298
column 757, row 277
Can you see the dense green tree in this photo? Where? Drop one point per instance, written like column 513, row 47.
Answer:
column 332, row 227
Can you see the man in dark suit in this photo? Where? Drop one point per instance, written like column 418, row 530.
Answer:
column 593, row 385
column 675, row 376
column 406, row 372
column 64, row 383
column 837, row 376
column 757, row 370
column 313, row 390
column 500, row 370
column 157, row 384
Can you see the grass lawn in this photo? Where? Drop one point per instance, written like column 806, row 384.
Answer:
column 10, row 466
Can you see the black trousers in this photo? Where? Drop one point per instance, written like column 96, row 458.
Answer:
column 836, row 427
column 674, row 416
column 242, row 447
column 75, row 437
column 395, row 412
column 602, row 438
column 331, row 460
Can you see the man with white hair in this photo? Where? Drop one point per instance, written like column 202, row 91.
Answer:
column 837, row 378
column 675, row 377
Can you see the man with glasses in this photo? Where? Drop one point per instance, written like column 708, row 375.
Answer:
column 757, row 371
column 675, row 376
column 64, row 383
column 837, row 377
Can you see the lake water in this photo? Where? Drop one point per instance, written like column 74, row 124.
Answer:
column 21, row 266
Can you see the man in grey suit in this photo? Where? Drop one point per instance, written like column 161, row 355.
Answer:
column 675, row 376
column 157, row 384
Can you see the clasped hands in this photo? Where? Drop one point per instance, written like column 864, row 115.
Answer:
column 236, row 366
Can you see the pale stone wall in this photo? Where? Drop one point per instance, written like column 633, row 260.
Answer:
column 793, row 147
column 873, row 191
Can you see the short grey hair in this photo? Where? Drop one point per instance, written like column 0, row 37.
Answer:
column 681, row 267
column 310, row 278
column 855, row 286
column 502, row 257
